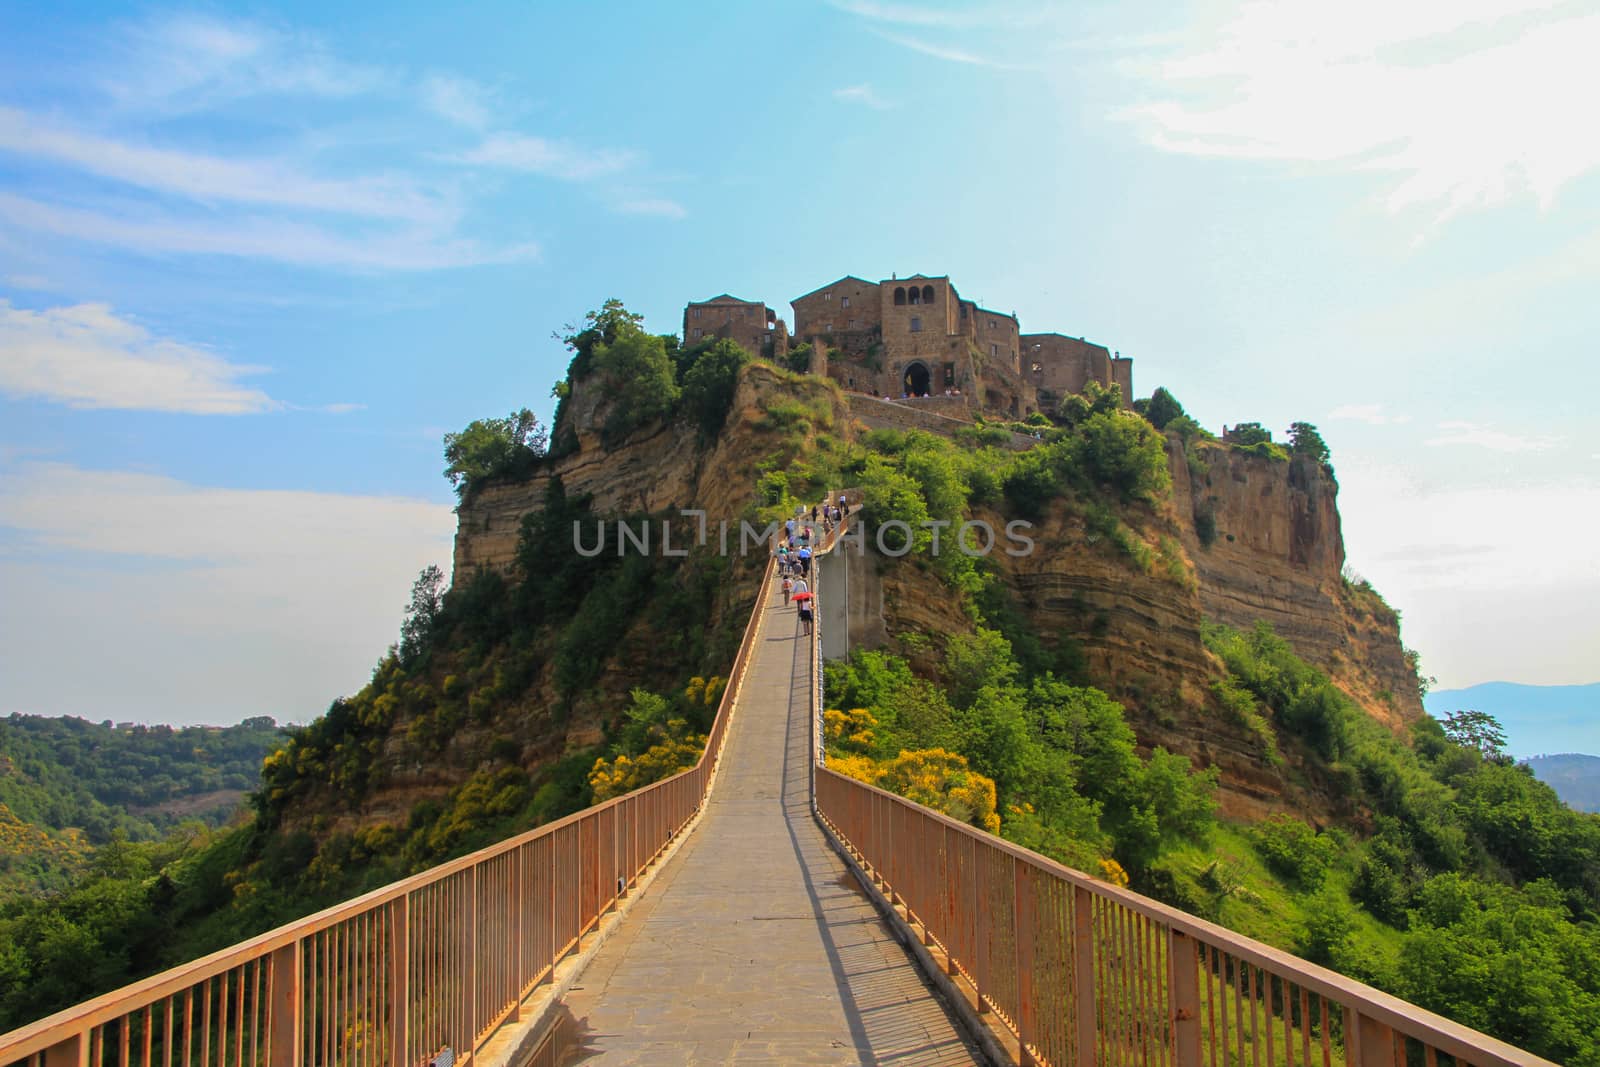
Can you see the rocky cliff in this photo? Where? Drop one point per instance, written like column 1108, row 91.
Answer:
column 1273, row 550
column 1244, row 538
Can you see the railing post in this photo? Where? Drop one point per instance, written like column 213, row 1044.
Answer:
column 1083, row 989
column 73, row 1052
column 1023, row 911
column 474, row 1022
column 285, row 1007
column 1183, row 987
column 399, row 985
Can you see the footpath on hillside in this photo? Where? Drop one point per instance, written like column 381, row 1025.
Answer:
column 755, row 944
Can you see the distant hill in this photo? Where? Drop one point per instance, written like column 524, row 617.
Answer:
column 1575, row 778
column 67, row 785
column 1537, row 718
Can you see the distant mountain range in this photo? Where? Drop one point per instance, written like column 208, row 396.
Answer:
column 1538, row 719
column 1576, row 779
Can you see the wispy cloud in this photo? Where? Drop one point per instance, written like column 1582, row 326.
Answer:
column 539, row 155
column 459, row 100
column 277, row 240
column 1465, row 104
column 1457, row 433
column 1371, row 414
column 209, row 178
column 364, row 178
column 189, row 62
column 938, row 50
column 658, row 206
column 863, row 94
column 26, row 281
column 87, row 356
column 985, row 16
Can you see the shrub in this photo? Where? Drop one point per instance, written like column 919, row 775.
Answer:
column 1294, row 850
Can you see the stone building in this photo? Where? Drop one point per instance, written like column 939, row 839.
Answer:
column 916, row 336
column 750, row 324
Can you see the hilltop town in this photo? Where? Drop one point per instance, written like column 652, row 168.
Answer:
column 916, row 337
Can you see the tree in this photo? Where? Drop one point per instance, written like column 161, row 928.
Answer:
column 638, row 379
column 493, row 446
column 1476, row 729
column 604, row 326
column 1162, row 408
column 1250, row 433
column 422, row 614
column 710, row 382
column 1304, row 440
column 1121, row 450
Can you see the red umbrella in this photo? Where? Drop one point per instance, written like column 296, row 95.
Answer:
column 802, row 596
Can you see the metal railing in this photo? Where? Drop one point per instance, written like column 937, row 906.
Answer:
column 440, row 960
column 1083, row 972
column 1080, row 971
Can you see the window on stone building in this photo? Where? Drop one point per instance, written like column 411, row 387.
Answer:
column 1037, row 366
column 994, row 351
column 827, row 296
column 927, row 294
column 900, row 295
column 916, row 324
column 949, row 375
column 697, row 313
column 916, row 295
column 697, row 331
column 844, row 301
column 827, row 327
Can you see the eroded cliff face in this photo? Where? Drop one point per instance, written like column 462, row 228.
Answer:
column 1277, row 555
column 660, row 468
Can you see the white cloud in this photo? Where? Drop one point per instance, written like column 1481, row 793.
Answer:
column 199, row 603
column 862, row 94
column 463, row 102
column 539, row 155
column 208, row 178
column 1372, row 414
column 1466, row 103
column 1492, row 582
column 86, row 356
column 282, row 241
column 657, row 206
column 1456, row 432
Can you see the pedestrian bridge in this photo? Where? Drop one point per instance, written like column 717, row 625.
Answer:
column 757, row 908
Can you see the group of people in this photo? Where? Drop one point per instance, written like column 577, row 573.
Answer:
column 794, row 553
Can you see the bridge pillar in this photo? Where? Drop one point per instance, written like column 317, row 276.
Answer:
column 1183, row 987
column 284, row 973
column 399, row 979
column 73, row 1052
column 1371, row 1042
column 1083, row 991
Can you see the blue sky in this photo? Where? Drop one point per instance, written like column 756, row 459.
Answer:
column 254, row 262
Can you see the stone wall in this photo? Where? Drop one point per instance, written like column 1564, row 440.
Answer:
column 918, row 415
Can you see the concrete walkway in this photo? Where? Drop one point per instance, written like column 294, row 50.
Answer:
column 755, row 945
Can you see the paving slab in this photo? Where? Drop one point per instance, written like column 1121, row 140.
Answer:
column 755, row 945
